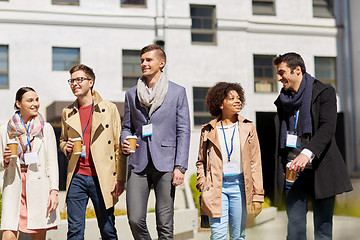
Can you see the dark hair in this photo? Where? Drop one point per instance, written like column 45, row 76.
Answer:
column 153, row 47
column 19, row 95
column 88, row 71
column 292, row 60
column 216, row 95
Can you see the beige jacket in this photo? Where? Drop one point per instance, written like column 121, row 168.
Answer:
column 41, row 178
column 110, row 163
column 210, row 166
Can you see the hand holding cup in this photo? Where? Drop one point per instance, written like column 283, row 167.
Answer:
column 290, row 173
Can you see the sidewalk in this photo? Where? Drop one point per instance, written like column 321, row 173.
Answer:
column 344, row 228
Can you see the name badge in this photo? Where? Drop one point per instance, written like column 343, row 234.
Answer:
column 292, row 140
column 147, row 130
column 230, row 169
column 30, row 158
column 83, row 151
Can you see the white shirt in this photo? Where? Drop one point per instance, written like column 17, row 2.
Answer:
column 236, row 154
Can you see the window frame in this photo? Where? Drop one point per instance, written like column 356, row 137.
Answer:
column 7, row 68
column 64, row 3
column 126, row 5
column 212, row 31
column 133, row 75
column 332, row 82
column 273, row 81
column 329, row 5
column 65, row 62
column 272, row 13
column 204, row 113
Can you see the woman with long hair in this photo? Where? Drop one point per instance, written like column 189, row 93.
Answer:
column 31, row 178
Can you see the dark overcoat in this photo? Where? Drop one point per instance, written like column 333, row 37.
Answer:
column 330, row 171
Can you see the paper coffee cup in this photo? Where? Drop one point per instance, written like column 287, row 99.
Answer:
column 77, row 146
column 290, row 173
column 132, row 140
column 13, row 146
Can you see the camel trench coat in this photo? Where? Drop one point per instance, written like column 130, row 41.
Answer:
column 41, row 178
column 210, row 166
column 110, row 163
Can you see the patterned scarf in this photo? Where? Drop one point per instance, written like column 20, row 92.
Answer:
column 17, row 130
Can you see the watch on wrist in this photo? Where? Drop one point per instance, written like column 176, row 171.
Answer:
column 182, row 169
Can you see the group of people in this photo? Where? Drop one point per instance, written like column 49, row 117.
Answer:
column 229, row 173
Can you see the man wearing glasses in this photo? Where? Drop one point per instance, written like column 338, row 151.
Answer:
column 98, row 172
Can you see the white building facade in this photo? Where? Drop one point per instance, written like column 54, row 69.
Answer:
column 206, row 41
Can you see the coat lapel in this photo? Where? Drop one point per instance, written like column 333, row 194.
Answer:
column 212, row 135
column 97, row 120
column 37, row 144
column 74, row 122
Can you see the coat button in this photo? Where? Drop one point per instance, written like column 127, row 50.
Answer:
column 111, row 157
column 114, row 173
column 39, row 177
column 68, row 128
column 103, row 110
column 39, row 164
column 109, row 142
column 107, row 125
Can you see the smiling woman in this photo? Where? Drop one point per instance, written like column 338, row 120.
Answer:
column 229, row 174
column 30, row 199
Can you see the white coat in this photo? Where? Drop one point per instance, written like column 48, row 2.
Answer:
column 41, row 178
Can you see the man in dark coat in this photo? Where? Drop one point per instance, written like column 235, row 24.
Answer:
column 305, row 128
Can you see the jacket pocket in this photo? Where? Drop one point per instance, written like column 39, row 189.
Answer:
column 168, row 143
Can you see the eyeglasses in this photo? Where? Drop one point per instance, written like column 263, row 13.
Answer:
column 77, row 80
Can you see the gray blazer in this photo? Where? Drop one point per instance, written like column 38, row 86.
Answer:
column 168, row 146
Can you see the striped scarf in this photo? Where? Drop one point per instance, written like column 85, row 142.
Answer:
column 17, row 130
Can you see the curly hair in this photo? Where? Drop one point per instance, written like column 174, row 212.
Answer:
column 216, row 95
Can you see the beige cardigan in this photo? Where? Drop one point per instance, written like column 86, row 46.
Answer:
column 210, row 160
column 41, row 178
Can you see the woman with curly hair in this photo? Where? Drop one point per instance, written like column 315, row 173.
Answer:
column 229, row 173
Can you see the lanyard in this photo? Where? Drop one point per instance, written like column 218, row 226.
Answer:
column 296, row 120
column 27, row 131
column 92, row 105
column 232, row 140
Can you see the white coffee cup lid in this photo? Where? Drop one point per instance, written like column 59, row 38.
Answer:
column 127, row 137
column 77, row 139
column 12, row 141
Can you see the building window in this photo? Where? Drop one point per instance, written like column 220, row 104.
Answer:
column 201, row 112
column 264, row 74
column 203, row 27
column 131, row 69
column 323, row 8
column 133, row 3
column 65, row 58
column 325, row 70
column 263, row 7
column 65, row 2
column 4, row 66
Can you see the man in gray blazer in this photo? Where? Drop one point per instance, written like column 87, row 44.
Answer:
column 157, row 112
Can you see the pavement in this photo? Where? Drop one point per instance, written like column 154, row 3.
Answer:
column 344, row 228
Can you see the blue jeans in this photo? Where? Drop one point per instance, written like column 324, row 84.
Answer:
column 233, row 210
column 80, row 190
column 297, row 199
